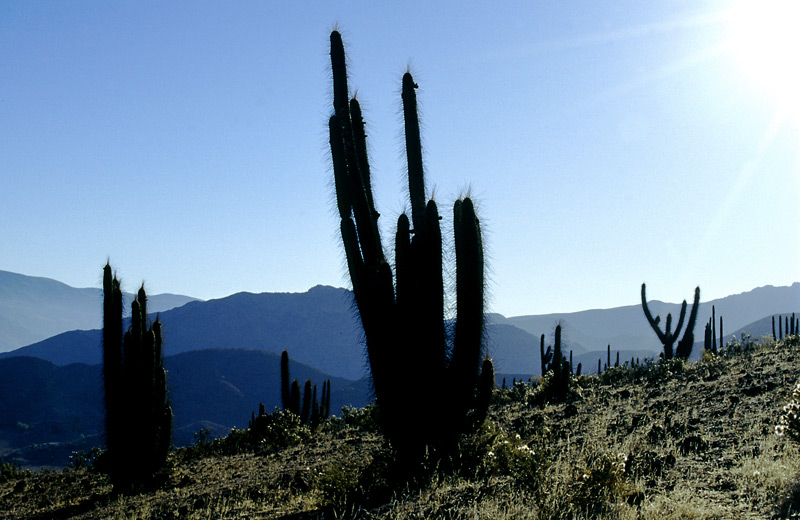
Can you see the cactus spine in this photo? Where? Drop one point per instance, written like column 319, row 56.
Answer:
column 138, row 414
column 403, row 319
column 668, row 337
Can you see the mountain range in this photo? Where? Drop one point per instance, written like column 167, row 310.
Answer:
column 320, row 328
column 34, row 308
column 221, row 354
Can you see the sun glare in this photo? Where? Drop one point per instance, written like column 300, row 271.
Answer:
column 765, row 41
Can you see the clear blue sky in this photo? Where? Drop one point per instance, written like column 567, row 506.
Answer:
column 606, row 143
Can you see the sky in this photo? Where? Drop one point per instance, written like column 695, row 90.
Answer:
column 605, row 143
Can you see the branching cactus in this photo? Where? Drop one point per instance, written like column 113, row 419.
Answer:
column 138, row 413
column 424, row 373
column 668, row 336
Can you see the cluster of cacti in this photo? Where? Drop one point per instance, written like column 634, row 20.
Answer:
column 792, row 326
column 710, row 340
column 668, row 336
column 138, row 414
column 312, row 411
column 561, row 369
column 547, row 356
column 635, row 362
column 424, row 374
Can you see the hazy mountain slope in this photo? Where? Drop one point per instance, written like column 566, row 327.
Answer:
column 44, row 403
column 332, row 345
column 626, row 328
column 320, row 328
column 317, row 327
column 35, row 308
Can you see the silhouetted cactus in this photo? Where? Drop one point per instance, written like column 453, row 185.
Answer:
column 286, row 392
column 294, row 398
column 562, row 372
column 304, row 405
column 418, row 367
column 774, row 335
column 545, row 356
column 305, row 411
column 668, row 336
column 138, row 414
column 708, row 344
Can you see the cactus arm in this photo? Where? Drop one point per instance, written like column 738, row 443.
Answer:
column 681, row 317
column 687, row 342
column 469, row 331
column 652, row 321
column 416, row 181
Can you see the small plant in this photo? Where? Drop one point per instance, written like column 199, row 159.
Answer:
column 86, row 460
column 10, row 471
column 503, row 453
column 744, row 344
column 789, row 422
column 365, row 419
column 601, row 485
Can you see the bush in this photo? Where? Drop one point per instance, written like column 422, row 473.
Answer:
column 9, row 471
column 91, row 460
column 364, row 419
column 789, row 422
column 601, row 485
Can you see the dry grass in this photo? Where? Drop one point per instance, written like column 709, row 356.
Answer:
column 684, row 441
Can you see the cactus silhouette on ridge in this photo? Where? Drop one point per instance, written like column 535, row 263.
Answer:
column 424, row 375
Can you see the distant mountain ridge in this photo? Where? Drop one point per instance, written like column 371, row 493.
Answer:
column 34, row 308
column 625, row 328
column 320, row 328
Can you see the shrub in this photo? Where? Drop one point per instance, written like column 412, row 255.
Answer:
column 10, row 471
column 601, row 484
column 789, row 422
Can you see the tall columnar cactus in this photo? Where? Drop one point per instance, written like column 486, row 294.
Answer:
column 545, row 356
column 305, row 411
column 424, row 375
column 668, row 336
column 286, row 391
column 138, row 414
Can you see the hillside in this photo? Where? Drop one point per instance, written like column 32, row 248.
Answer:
column 47, row 411
column 684, row 440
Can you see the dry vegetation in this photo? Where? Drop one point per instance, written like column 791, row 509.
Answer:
column 675, row 440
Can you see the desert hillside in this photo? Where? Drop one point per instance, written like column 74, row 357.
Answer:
column 676, row 440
